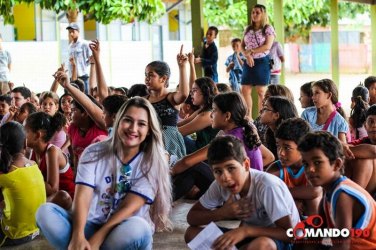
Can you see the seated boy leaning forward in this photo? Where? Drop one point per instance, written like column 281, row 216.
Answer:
column 345, row 204
column 289, row 167
column 260, row 200
column 362, row 169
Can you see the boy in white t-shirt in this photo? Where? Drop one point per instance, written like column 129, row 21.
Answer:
column 260, row 200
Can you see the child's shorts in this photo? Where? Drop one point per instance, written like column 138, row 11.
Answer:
column 5, row 241
column 281, row 245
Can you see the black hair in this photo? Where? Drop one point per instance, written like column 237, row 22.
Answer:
column 79, row 84
column 369, row 81
column 77, row 105
column 61, row 100
column 25, row 92
column 162, row 69
column 190, row 102
column 224, row 148
column 306, row 88
column 6, row 98
column 292, row 129
column 286, row 109
column 138, row 89
column 209, row 90
column 29, row 107
column 360, row 96
column 328, row 86
column 223, row 88
column 236, row 40
column 234, row 103
column 280, row 90
column 325, row 141
column 123, row 90
column 12, row 141
column 371, row 110
column 113, row 103
column 214, row 28
column 43, row 121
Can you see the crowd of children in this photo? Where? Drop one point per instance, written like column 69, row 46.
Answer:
column 102, row 170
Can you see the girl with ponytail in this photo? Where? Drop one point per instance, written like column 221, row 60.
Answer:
column 22, row 188
column 359, row 107
column 229, row 115
column 327, row 114
column 54, row 164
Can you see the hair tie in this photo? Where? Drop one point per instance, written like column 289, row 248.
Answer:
column 338, row 105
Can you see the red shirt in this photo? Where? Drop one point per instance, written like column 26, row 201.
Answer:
column 78, row 142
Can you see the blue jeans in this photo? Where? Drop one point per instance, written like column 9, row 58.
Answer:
column 56, row 225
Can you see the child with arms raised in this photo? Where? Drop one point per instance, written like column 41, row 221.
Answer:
column 346, row 205
column 261, row 200
column 289, row 167
column 166, row 103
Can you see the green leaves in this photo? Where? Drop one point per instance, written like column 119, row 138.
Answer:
column 103, row 11
column 299, row 15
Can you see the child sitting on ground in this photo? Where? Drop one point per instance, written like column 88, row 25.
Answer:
column 22, row 188
column 289, row 167
column 362, row 169
column 370, row 83
column 346, row 205
column 259, row 199
column 359, row 106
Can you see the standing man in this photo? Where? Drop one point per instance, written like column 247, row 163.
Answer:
column 5, row 66
column 80, row 52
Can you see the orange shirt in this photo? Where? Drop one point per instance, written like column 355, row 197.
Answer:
column 366, row 221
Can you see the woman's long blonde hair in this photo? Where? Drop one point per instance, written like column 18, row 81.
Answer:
column 153, row 165
column 264, row 20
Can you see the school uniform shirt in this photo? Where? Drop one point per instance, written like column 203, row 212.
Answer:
column 270, row 199
column 367, row 219
column 336, row 126
column 111, row 181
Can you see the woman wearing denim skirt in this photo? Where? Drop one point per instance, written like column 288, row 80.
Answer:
column 257, row 41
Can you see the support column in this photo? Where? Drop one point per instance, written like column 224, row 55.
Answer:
column 334, row 40
column 280, row 30
column 197, row 30
column 373, row 38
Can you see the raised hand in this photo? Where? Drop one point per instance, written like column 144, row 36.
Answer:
column 72, row 61
column 95, row 48
column 62, row 78
column 181, row 57
column 191, row 56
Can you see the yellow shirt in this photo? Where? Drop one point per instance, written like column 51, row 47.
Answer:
column 24, row 191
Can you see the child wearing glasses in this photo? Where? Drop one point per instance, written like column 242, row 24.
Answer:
column 274, row 111
column 123, row 191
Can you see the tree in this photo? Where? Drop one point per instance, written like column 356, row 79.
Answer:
column 103, row 11
column 299, row 16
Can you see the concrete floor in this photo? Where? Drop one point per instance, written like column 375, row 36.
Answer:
column 162, row 241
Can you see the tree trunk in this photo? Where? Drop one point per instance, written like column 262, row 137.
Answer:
column 72, row 16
